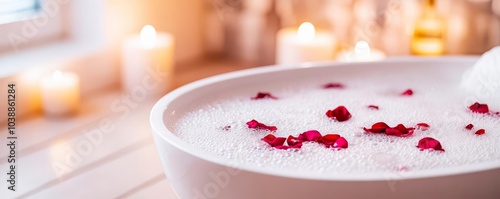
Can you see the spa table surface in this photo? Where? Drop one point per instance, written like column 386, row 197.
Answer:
column 55, row 158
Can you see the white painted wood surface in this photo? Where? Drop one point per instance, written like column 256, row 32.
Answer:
column 124, row 163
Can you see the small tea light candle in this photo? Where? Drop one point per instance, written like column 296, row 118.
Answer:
column 304, row 45
column 361, row 53
column 30, row 82
column 148, row 61
column 60, row 93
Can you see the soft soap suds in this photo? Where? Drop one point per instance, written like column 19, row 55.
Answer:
column 304, row 109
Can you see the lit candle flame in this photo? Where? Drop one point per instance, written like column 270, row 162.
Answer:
column 57, row 75
column 148, row 36
column 362, row 50
column 306, row 32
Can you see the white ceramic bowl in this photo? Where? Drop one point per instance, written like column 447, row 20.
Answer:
column 194, row 173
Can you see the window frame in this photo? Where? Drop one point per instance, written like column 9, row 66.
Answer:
column 34, row 27
column 81, row 37
column 20, row 15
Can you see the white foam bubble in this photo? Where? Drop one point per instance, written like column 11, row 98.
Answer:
column 304, row 109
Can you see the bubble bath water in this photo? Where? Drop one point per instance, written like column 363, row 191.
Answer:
column 303, row 108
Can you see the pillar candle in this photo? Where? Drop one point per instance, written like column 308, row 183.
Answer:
column 304, row 44
column 148, row 61
column 60, row 93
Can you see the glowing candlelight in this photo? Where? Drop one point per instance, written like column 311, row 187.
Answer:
column 144, row 55
column 361, row 52
column 306, row 32
column 304, row 44
column 148, row 36
column 60, row 93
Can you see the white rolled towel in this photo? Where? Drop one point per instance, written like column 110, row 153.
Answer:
column 483, row 79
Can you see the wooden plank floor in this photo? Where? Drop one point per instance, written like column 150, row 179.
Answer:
column 68, row 158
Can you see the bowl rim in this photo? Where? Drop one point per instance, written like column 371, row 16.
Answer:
column 160, row 129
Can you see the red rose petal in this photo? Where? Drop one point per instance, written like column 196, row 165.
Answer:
column 408, row 92
column 273, row 140
column 254, row 124
column 263, row 95
column 333, row 85
column 341, row 143
column 294, row 142
column 278, row 142
column 283, row 147
column 469, row 126
column 268, row 138
column 400, row 130
column 408, row 132
column 340, row 114
column 429, row 143
column 378, row 127
column 311, row 135
column 423, row 126
column 393, row 131
column 480, row 132
column 373, row 107
column 479, row 108
column 329, row 139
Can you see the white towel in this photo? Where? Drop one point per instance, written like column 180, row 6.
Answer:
column 483, row 79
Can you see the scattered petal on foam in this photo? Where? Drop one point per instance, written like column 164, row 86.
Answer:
column 400, row 130
column 480, row 132
column 333, row 85
column 378, row 127
column 294, row 142
column 254, row 124
column 479, row 108
column 373, row 107
column 311, row 135
column 429, row 143
column 329, row 139
column 340, row 114
column 341, row 143
column 263, row 95
column 469, row 126
column 273, row 140
column 407, row 92
column 423, row 126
